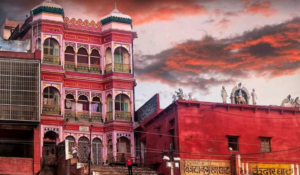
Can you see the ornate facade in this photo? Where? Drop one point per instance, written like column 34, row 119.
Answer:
column 86, row 80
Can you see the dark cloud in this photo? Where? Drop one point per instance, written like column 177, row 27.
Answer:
column 270, row 51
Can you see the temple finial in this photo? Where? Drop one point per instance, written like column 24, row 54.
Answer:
column 115, row 5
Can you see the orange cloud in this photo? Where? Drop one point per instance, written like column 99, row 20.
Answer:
column 263, row 8
column 265, row 52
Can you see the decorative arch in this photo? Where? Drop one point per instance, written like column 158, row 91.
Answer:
column 236, row 90
column 70, row 44
column 97, row 151
column 51, row 96
column 83, row 149
column 82, row 46
column 119, row 45
column 121, row 55
column 122, row 103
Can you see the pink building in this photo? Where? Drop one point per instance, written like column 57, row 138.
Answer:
column 86, row 80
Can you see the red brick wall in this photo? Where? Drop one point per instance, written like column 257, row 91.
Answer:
column 22, row 166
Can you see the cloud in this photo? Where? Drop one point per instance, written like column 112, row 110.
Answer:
column 263, row 8
column 224, row 23
column 269, row 52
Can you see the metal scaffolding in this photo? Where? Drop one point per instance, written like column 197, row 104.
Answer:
column 19, row 89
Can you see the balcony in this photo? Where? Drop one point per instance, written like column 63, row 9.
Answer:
column 51, row 59
column 69, row 66
column 70, row 114
column 109, row 116
column 81, row 67
column 108, row 68
column 97, row 117
column 95, row 69
column 123, row 116
column 83, row 116
column 123, row 68
column 51, row 109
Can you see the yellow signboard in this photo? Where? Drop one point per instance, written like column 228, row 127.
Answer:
column 270, row 169
column 204, row 167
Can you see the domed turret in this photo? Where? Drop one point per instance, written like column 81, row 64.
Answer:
column 116, row 17
column 46, row 7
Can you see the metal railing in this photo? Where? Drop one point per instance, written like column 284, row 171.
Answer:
column 120, row 67
column 108, row 68
column 51, row 59
column 51, row 109
column 69, row 66
column 95, row 69
column 109, row 116
column 123, row 116
column 82, row 67
column 70, row 114
column 97, row 117
column 83, row 116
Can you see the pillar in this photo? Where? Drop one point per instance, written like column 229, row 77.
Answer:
column 102, row 59
column 113, row 104
column 114, row 140
column 112, row 57
column 104, row 105
column 36, row 150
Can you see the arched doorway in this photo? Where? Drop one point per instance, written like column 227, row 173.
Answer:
column 50, row 139
column 123, row 147
column 97, row 151
column 72, row 141
column 83, row 149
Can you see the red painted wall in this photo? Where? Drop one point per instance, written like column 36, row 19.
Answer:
column 201, row 130
column 22, row 166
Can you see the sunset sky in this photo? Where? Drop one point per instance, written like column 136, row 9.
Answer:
column 201, row 45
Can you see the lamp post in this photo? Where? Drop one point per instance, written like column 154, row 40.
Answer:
column 90, row 150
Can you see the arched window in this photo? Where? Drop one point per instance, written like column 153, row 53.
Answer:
column 121, row 55
column 51, row 96
column 96, row 105
column 82, row 56
column 109, row 101
column 70, row 102
column 83, row 103
column 70, row 54
column 108, row 57
column 38, row 44
column 122, row 103
column 71, row 142
column 51, row 47
column 95, row 57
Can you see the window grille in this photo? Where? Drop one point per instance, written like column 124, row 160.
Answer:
column 265, row 144
column 19, row 90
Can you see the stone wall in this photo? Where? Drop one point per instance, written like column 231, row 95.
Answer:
column 10, row 165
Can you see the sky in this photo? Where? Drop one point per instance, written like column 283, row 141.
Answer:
column 202, row 45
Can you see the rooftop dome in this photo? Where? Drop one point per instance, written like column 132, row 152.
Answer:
column 116, row 16
column 48, row 6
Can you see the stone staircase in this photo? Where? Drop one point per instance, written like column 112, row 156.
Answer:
column 121, row 170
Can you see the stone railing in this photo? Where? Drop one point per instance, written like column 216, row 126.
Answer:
column 108, row 68
column 69, row 66
column 95, row 69
column 51, row 59
column 70, row 114
column 124, row 68
column 123, row 116
column 83, row 116
column 82, row 67
column 109, row 116
column 97, row 117
column 51, row 109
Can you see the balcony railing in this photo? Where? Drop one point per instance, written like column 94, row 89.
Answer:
column 69, row 66
column 83, row 116
column 70, row 114
column 51, row 59
column 108, row 68
column 95, row 69
column 51, row 109
column 109, row 116
column 81, row 67
column 123, row 116
column 124, row 68
column 97, row 117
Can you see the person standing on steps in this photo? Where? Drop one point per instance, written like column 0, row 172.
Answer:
column 129, row 165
